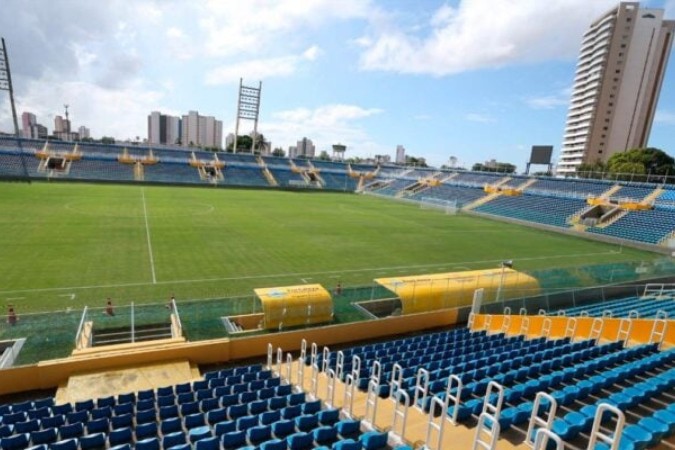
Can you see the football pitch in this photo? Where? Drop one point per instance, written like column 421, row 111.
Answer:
column 66, row 245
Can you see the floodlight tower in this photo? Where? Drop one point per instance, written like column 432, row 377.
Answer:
column 6, row 85
column 248, row 107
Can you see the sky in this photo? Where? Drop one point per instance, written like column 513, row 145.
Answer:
column 473, row 79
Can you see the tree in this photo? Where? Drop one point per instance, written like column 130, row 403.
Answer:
column 415, row 161
column 278, row 152
column 324, row 156
column 107, row 140
column 494, row 166
column 244, row 144
column 640, row 164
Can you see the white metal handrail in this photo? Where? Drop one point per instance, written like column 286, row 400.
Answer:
column 536, row 421
column 612, row 439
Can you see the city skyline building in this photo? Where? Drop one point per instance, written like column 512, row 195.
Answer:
column 163, row 129
column 304, row 148
column 618, row 78
column 201, row 131
column 400, row 155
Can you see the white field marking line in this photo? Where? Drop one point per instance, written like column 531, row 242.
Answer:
column 16, row 298
column 288, row 275
column 147, row 234
column 304, row 280
column 71, row 295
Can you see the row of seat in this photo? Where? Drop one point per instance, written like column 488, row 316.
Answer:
column 625, row 307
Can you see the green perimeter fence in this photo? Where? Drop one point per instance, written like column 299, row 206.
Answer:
column 55, row 334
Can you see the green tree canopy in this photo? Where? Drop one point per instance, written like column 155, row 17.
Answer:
column 500, row 167
column 279, row 152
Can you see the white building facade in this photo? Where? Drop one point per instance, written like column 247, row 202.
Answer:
column 617, row 82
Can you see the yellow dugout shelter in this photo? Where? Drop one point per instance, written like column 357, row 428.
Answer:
column 295, row 305
column 421, row 293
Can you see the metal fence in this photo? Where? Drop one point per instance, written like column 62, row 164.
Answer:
column 56, row 334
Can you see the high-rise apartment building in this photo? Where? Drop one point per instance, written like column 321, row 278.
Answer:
column 201, row 131
column 618, row 78
column 84, row 132
column 400, row 155
column 28, row 120
column 304, row 148
column 163, row 129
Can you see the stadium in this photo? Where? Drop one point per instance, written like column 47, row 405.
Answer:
column 271, row 302
column 173, row 293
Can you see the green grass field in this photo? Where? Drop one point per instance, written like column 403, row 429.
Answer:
column 69, row 245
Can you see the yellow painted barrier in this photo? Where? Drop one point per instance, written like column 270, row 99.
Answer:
column 641, row 329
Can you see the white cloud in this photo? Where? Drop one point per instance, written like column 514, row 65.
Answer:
column 482, row 34
column 559, row 99
column 312, row 53
column 251, row 26
column 665, row 117
column 105, row 112
column 480, row 118
column 325, row 125
column 259, row 69
column 255, row 69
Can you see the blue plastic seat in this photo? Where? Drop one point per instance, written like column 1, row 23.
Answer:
column 296, row 399
column 668, row 417
column 173, row 439
column 374, row 440
column 167, row 412
column 148, row 444
column 199, row 433
column 275, row 403
column 325, row 435
column 142, row 405
column 146, row 431
column 124, row 408
column 147, row 416
column 210, row 443
column 109, row 402
column 259, row 434
column 71, row 431
column 92, row 441
column 121, row 447
column 246, row 422
column 101, row 425
column 170, row 425
column 348, row 428
column 77, row 416
column 300, row 441
column 311, row 407
column 306, row 422
column 56, row 409
column 129, row 397
column 98, row 413
column 27, row 426
column 283, row 428
column 84, row 405
column 216, row 415
column 273, row 444
column 236, row 411
column 39, row 413
column 226, row 426
column 269, row 417
column 46, row 436
column 291, row 412
column 329, row 416
column 194, row 420
column 347, row 444
column 70, row 444
column 257, row 407
column 233, row 440
column 120, row 436
column 15, row 442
